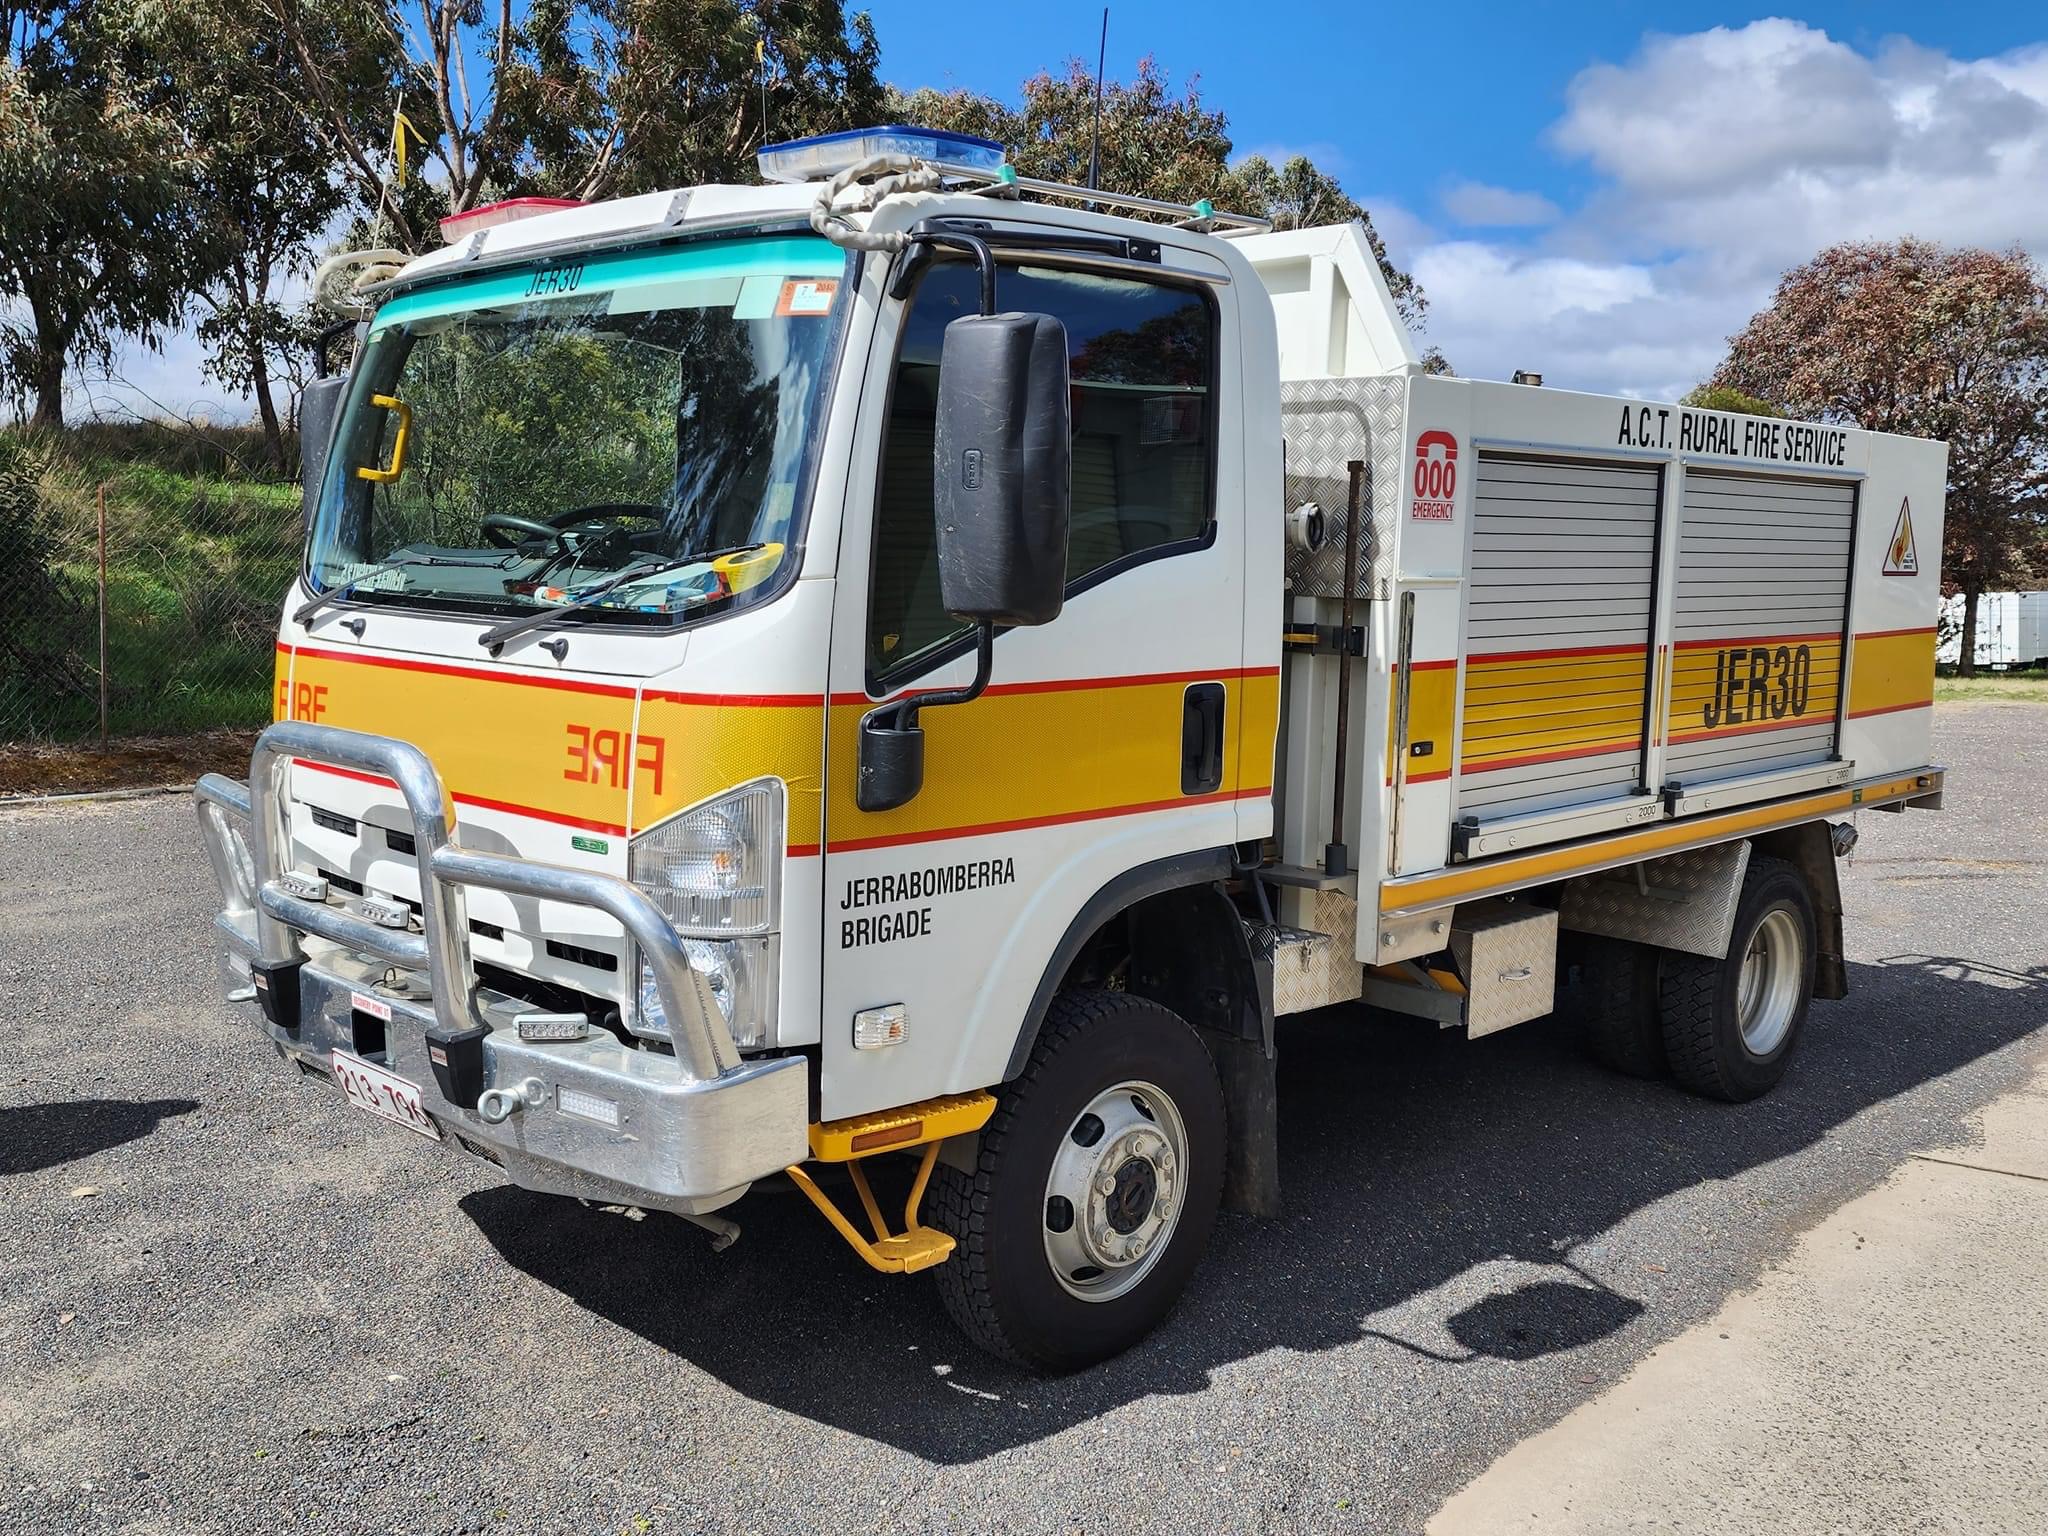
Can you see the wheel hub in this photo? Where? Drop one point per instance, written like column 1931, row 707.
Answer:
column 1767, row 990
column 1113, row 1192
column 1133, row 1187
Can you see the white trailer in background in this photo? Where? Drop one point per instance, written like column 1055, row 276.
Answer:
column 787, row 675
column 2012, row 630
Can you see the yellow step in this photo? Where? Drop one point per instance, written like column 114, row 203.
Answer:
column 909, row 1125
column 908, row 1252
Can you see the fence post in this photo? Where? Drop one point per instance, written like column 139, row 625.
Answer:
column 103, row 613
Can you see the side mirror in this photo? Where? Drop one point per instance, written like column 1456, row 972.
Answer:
column 319, row 405
column 1002, row 480
column 1003, row 471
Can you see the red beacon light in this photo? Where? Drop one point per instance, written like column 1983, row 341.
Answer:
column 491, row 215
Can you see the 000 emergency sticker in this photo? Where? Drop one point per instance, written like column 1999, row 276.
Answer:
column 1436, row 477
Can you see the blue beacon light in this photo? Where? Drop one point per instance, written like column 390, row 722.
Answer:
column 816, row 159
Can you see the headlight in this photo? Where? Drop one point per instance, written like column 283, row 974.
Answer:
column 715, row 871
column 741, row 975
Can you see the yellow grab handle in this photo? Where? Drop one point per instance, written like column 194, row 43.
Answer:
column 386, row 476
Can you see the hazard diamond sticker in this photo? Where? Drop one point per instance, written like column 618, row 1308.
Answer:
column 1901, row 558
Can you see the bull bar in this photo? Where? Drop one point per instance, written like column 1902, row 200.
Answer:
column 692, row 1130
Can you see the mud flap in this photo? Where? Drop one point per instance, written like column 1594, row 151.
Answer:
column 1247, row 1068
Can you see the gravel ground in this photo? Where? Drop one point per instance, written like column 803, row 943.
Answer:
column 228, row 1303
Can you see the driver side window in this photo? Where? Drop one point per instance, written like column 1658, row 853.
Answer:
column 1141, row 356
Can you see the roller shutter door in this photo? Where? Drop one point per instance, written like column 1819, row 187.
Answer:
column 1761, row 603
column 1557, row 633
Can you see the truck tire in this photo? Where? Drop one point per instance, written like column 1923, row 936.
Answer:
column 1094, row 1188
column 1619, row 1017
column 1731, row 1025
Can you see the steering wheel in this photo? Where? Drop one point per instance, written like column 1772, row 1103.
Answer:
column 495, row 528
column 606, row 511
column 599, row 530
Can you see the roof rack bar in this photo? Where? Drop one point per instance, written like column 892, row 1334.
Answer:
column 1192, row 215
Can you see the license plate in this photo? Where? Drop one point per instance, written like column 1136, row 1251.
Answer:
column 384, row 1094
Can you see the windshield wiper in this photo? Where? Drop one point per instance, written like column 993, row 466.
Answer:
column 493, row 639
column 303, row 615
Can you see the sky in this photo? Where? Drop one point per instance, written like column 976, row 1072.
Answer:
column 1599, row 192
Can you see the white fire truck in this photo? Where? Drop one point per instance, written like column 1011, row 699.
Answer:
column 908, row 663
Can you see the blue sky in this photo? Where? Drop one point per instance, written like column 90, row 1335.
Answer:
column 1601, row 192
column 1407, row 99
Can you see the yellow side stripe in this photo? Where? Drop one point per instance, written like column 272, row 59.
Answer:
column 1421, row 893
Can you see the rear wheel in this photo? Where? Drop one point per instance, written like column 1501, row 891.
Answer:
column 1731, row 1025
column 1094, row 1189
column 1618, row 1011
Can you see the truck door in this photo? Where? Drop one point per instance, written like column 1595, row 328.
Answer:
column 1107, row 740
column 1557, row 633
column 1761, row 609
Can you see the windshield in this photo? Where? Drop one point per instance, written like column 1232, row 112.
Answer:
column 638, row 423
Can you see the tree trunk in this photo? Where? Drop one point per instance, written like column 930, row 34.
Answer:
column 53, row 346
column 252, row 290
column 49, row 382
column 1966, row 657
column 266, row 408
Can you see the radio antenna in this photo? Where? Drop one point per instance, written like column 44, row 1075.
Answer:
column 1095, row 126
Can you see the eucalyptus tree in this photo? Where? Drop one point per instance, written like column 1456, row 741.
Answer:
column 100, row 233
column 1909, row 336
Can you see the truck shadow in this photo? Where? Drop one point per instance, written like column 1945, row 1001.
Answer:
column 1413, row 1163
column 38, row 1136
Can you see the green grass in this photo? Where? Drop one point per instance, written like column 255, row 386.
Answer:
column 2030, row 687
column 202, row 544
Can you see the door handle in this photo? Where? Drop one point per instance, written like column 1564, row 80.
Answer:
column 1201, row 739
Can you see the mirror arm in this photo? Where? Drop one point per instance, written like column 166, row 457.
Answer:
column 325, row 339
column 984, row 664
column 973, row 245
column 891, row 767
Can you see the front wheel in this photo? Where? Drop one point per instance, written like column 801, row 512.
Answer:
column 1094, row 1189
column 1730, row 1025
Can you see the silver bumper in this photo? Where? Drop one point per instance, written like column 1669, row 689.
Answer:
column 692, row 1129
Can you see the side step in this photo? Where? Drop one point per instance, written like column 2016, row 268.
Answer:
column 847, row 1141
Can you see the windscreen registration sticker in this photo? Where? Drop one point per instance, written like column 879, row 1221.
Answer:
column 807, row 296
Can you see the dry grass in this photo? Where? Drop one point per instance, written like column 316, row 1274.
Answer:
column 2029, row 687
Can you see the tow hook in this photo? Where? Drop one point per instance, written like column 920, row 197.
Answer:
column 494, row 1106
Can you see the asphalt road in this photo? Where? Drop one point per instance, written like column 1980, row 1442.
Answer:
column 273, row 1313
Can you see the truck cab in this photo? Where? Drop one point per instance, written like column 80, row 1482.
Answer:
column 785, row 675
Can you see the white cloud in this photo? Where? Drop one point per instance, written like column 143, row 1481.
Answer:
column 1726, row 156
column 1774, row 140
column 1475, row 204
column 1621, row 326
column 1725, row 108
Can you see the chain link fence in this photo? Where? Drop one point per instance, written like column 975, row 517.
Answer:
column 143, row 603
